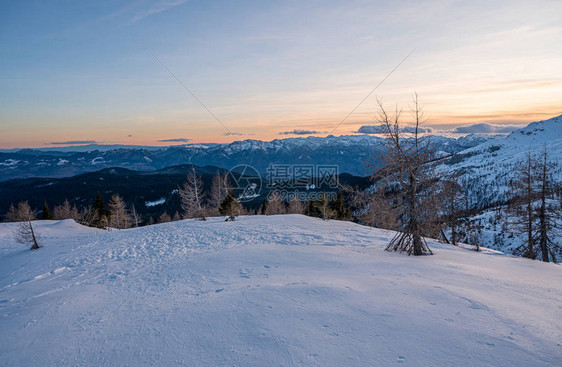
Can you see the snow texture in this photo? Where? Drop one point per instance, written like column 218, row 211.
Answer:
column 268, row 291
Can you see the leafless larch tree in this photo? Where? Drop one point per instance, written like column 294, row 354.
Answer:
column 408, row 179
column 191, row 195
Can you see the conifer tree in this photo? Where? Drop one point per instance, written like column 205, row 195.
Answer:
column 230, row 206
column 102, row 213
column 46, row 212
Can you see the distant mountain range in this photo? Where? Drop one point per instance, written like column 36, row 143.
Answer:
column 350, row 153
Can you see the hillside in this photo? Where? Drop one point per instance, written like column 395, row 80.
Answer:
column 151, row 192
column 488, row 168
column 261, row 291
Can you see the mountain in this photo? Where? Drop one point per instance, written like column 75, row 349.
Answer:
column 151, row 192
column 268, row 290
column 488, row 168
column 350, row 153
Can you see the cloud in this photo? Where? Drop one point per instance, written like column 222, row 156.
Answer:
column 484, row 128
column 157, row 8
column 300, row 132
column 174, row 140
column 232, row 133
column 382, row 129
column 130, row 135
column 73, row 142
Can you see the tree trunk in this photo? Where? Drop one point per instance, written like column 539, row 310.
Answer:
column 35, row 244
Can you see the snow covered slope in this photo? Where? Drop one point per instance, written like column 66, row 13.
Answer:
column 488, row 168
column 268, row 291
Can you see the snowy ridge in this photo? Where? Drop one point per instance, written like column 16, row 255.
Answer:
column 268, row 290
column 489, row 167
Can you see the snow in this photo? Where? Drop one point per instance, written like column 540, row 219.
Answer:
column 488, row 168
column 268, row 290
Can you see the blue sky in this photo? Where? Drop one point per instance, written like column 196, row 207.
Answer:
column 85, row 71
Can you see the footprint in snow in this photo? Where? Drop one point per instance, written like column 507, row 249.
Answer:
column 219, row 290
column 401, row 359
column 246, row 273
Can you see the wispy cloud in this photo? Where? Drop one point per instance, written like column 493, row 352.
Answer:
column 300, row 132
column 174, row 140
column 157, row 8
column 73, row 142
column 382, row 129
column 230, row 133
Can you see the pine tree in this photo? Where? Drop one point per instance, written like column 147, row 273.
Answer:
column 46, row 212
column 339, row 209
column 263, row 207
column 102, row 213
column 230, row 206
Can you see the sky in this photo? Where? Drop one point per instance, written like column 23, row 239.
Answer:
column 173, row 71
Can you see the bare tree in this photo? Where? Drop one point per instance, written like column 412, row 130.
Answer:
column 191, row 195
column 66, row 211
column 372, row 207
column 548, row 211
column 537, row 211
column 406, row 173
column 119, row 216
column 219, row 190
column 12, row 214
column 88, row 217
column 524, row 217
column 20, row 213
column 135, row 217
column 176, row 217
column 295, row 206
column 451, row 193
column 323, row 205
column 164, row 218
column 275, row 205
column 25, row 233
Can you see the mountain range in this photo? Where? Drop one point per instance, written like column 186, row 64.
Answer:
column 350, row 153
